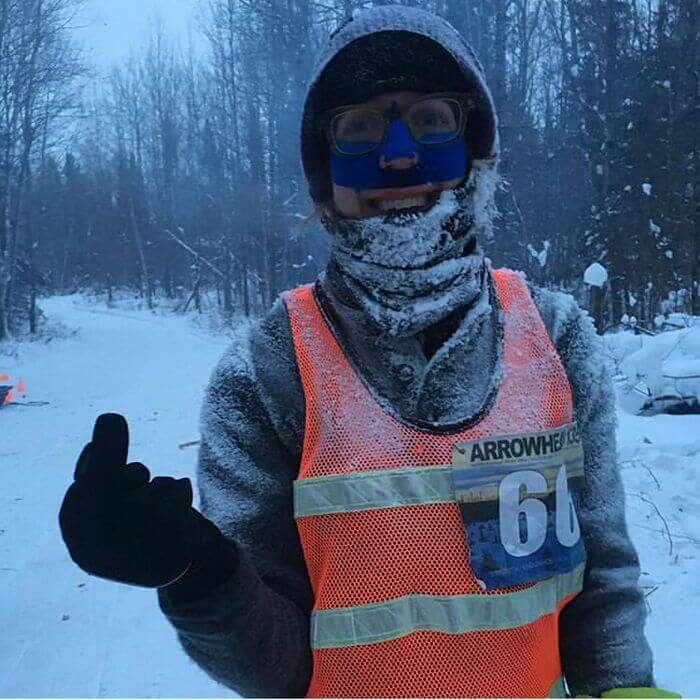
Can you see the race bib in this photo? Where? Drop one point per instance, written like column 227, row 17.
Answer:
column 518, row 497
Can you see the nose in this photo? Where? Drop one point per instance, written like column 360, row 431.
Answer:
column 398, row 152
column 401, row 163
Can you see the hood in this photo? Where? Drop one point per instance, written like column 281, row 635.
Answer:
column 481, row 133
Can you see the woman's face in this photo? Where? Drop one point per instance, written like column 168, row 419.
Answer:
column 362, row 204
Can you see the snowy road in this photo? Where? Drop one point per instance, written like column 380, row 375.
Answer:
column 67, row 634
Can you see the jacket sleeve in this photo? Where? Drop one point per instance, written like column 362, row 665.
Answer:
column 250, row 632
column 602, row 638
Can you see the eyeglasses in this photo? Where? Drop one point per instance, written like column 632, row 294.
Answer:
column 432, row 120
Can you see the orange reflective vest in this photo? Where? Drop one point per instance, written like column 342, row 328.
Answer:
column 399, row 610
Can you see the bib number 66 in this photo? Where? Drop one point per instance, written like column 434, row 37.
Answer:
column 523, row 523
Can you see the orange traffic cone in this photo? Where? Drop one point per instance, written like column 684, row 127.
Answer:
column 20, row 388
column 8, row 398
column 4, row 377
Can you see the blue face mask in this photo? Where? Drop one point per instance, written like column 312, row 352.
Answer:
column 434, row 163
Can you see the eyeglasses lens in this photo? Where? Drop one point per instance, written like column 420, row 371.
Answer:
column 434, row 121
column 357, row 131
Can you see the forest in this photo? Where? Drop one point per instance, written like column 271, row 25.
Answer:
column 176, row 176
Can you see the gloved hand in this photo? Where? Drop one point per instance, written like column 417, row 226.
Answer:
column 120, row 524
column 639, row 693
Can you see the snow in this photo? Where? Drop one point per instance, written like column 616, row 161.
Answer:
column 114, row 641
column 69, row 634
column 540, row 256
column 595, row 275
column 646, row 188
column 660, row 460
column 666, row 365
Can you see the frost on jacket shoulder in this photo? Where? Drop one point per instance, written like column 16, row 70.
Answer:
column 252, row 431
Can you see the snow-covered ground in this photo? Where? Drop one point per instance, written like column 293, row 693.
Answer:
column 67, row 634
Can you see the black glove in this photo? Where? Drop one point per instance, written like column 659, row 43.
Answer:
column 119, row 524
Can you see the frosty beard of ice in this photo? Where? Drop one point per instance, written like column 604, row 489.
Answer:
column 408, row 271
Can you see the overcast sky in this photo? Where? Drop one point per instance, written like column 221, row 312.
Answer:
column 110, row 28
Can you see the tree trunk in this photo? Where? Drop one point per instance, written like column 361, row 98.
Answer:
column 141, row 253
column 4, row 286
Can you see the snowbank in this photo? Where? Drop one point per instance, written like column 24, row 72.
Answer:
column 657, row 372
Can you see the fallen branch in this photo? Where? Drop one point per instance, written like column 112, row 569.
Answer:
column 675, row 535
column 31, row 404
column 651, row 590
column 185, row 445
column 635, row 461
column 194, row 253
column 651, row 474
column 658, row 512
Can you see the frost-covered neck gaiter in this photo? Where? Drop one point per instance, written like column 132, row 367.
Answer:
column 409, row 271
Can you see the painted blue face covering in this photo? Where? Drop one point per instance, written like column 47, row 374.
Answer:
column 434, row 163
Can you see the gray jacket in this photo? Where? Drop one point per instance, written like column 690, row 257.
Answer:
column 251, row 632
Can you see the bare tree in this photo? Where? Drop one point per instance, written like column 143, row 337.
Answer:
column 39, row 65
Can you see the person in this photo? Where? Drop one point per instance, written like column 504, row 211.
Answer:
column 407, row 470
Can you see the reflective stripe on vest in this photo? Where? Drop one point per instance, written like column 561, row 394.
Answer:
column 388, row 488
column 379, row 622
column 397, row 608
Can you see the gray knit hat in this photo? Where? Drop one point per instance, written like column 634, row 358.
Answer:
column 386, row 49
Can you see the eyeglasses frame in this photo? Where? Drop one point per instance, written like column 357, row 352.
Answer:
column 325, row 120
